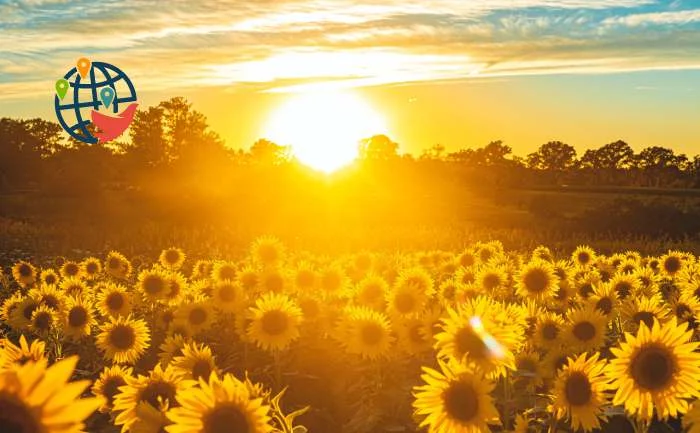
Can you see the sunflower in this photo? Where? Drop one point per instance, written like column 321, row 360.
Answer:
column 410, row 294
column 15, row 356
column 555, row 359
column 177, row 287
column 198, row 316
column 648, row 281
column 91, row 268
column 201, row 270
column 49, row 277
column 196, row 362
column 643, row 310
column 536, row 280
column 686, row 308
column 78, row 318
column 219, row 405
column 43, row 321
column 333, row 280
column 272, row 280
column 455, row 400
column 371, row 292
column 491, row 278
column 24, row 273
column 412, row 337
column 21, row 316
column 549, row 330
column 224, row 271
column 579, row 392
column 583, row 256
column 305, row 277
column 465, row 275
column 467, row 259
column 585, row 283
column 228, row 296
column 267, row 251
column 71, row 269
column 117, row 265
column 113, row 300
column 49, row 296
column 74, row 287
column 541, row 252
column 108, row 384
column 604, row 299
column 274, row 322
column 671, row 263
column 158, row 389
column 172, row 258
column 655, row 370
column 34, row 398
column 123, row 339
column 366, row 333
column 171, row 347
column 585, row 329
column 479, row 332
column 9, row 307
column 153, row 284
column 528, row 373
column 625, row 285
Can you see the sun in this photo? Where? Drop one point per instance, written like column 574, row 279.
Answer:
column 323, row 129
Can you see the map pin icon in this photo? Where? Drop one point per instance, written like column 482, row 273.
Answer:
column 83, row 66
column 62, row 87
column 107, row 95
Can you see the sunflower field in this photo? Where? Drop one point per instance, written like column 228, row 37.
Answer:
column 281, row 341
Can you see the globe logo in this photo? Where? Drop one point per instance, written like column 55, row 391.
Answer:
column 88, row 101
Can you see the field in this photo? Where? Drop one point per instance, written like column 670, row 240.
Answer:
column 494, row 316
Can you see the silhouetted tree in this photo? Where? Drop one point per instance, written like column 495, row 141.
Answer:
column 378, row 148
column 553, row 155
column 266, row 152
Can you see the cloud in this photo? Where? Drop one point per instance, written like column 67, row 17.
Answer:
column 284, row 45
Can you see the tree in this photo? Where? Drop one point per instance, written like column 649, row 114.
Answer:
column 378, row 148
column 148, row 137
column 494, row 153
column 267, row 152
column 616, row 155
column 553, row 155
column 433, row 152
column 657, row 157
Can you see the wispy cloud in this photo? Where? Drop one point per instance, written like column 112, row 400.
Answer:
column 290, row 45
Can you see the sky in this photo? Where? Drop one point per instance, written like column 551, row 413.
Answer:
column 456, row 72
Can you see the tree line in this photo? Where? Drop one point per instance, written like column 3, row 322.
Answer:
column 173, row 139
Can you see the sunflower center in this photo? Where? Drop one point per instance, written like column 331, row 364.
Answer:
column 71, row 269
column 227, row 293
column 550, row 331
column 50, row 279
column 15, row 416
column 111, row 388
column 604, row 305
column 25, row 270
column 201, row 369
column 122, row 337
column 491, row 281
column 51, row 301
column 585, row 290
column 42, row 321
column 225, row 419
column 114, row 263
column 372, row 292
column 536, row 281
column 115, row 301
column 578, row 389
column 644, row 316
column 29, row 310
column 448, row 292
column 404, row 302
column 91, row 268
column 158, row 391
column 527, row 364
column 153, row 285
column 653, row 368
column 461, row 401
column 172, row 256
column 371, row 334
column 583, row 258
column 227, row 273
column 672, row 265
column 623, row 289
column 197, row 316
column 274, row 322
column 584, row 331
column 683, row 311
column 77, row 317
column 467, row 341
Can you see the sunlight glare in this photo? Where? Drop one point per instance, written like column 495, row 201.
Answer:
column 324, row 128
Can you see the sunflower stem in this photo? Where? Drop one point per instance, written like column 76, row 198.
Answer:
column 278, row 369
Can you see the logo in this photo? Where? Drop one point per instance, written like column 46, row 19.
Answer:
column 89, row 98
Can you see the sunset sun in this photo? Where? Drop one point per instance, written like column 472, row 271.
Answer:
column 323, row 129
